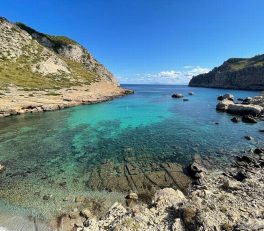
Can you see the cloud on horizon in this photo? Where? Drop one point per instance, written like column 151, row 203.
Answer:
column 167, row 76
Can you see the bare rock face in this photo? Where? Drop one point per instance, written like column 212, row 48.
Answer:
column 235, row 73
column 71, row 50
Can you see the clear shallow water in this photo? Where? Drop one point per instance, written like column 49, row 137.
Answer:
column 42, row 151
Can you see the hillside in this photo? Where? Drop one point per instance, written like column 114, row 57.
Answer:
column 235, row 73
column 40, row 69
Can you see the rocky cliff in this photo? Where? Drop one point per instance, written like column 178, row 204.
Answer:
column 235, row 73
column 44, row 72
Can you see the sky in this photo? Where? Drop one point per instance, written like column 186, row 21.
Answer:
column 150, row 41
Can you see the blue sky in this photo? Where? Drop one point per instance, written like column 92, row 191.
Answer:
column 151, row 41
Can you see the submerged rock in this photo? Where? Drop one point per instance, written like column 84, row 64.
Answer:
column 191, row 93
column 248, row 137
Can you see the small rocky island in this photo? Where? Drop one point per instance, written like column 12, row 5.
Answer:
column 235, row 73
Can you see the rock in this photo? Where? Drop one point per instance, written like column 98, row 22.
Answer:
column 248, row 137
column 50, row 107
column 47, row 197
column 189, row 217
column 227, row 227
column 246, row 159
column 86, row 213
column 240, row 99
column 191, row 93
column 228, row 97
column 235, row 120
column 241, row 175
column 247, row 100
column 258, row 151
column 249, row 119
column 185, row 99
column 2, row 168
column 131, row 199
column 261, row 130
column 177, row 95
column 168, row 197
column 223, row 105
column 220, row 98
column 241, row 109
column 229, row 185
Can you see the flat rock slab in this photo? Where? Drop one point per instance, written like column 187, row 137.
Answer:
column 140, row 177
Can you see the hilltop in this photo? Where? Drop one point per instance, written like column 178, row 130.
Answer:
column 235, row 73
column 41, row 72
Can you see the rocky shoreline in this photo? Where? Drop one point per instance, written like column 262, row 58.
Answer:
column 218, row 199
column 16, row 101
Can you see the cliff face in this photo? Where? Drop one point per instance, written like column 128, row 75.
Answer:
column 35, row 60
column 40, row 72
column 235, row 73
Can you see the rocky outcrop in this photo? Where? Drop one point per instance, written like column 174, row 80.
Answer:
column 249, row 108
column 235, row 73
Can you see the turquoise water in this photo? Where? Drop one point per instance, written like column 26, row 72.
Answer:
column 43, row 150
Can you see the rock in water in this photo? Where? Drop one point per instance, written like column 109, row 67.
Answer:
column 235, row 120
column 177, row 95
column 249, row 119
column 191, row 93
column 248, row 137
column 223, row 105
column 241, row 109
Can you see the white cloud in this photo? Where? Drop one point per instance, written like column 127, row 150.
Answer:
column 167, row 77
column 168, row 74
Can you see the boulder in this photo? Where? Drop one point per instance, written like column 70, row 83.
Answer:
column 185, row 99
column 242, row 109
column 235, row 120
column 220, row 97
column 224, row 105
column 168, row 197
column 177, row 95
column 131, row 199
column 228, row 97
column 191, row 93
column 249, row 119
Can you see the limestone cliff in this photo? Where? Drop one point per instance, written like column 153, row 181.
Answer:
column 235, row 73
column 40, row 72
column 35, row 60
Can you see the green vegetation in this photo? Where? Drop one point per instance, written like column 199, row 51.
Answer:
column 57, row 41
column 239, row 64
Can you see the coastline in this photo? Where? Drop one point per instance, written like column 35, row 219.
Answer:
column 16, row 101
